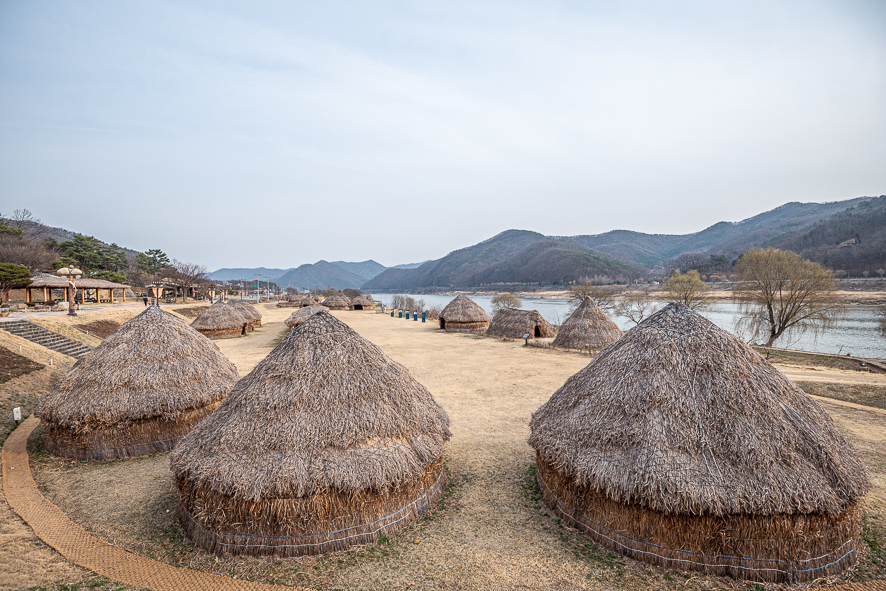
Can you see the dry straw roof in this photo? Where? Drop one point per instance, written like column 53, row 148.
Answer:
column 325, row 410
column 588, row 326
column 246, row 309
column 464, row 310
column 361, row 301
column 335, row 302
column 219, row 316
column 514, row 323
column 681, row 417
column 303, row 314
column 154, row 366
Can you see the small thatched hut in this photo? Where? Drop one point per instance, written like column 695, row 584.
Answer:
column 221, row 321
column 142, row 389
column 291, row 301
column 336, row 302
column 248, row 312
column 463, row 315
column 679, row 445
column 327, row 443
column 514, row 323
column 588, row 326
column 303, row 314
column 361, row 303
column 310, row 300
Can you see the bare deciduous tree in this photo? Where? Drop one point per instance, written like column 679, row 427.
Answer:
column 636, row 306
column 601, row 297
column 779, row 293
column 505, row 300
column 30, row 225
column 184, row 275
column 21, row 250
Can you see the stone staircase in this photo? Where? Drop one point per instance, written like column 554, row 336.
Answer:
column 47, row 338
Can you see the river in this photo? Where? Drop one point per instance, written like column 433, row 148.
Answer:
column 856, row 332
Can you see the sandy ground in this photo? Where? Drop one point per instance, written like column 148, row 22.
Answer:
column 491, row 532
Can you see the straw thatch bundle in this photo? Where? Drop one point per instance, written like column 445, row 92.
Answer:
column 361, row 303
column 681, row 446
column 248, row 312
column 221, row 321
column 463, row 315
column 514, row 323
column 588, row 326
column 303, row 314
column 336, row 302
column 291, row 301
column 142, row 389
column 327, row 443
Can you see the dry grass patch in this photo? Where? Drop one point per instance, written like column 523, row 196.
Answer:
column 99, row 328
column 865, row 394
column 488, row 532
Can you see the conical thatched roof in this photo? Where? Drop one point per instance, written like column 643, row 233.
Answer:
column 681, row 417
column 220, row 319
column 463, row 313
column 335, row 302
column 154, row 366
column 303, row 314
column 325, row 410
column 588, row 326
column 246, row 309
column 362, row 301
column 514, row 323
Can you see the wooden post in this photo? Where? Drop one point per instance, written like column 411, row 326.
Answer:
column 28, row 295
column 44, row 295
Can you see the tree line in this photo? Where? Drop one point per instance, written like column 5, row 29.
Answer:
column 25, row 242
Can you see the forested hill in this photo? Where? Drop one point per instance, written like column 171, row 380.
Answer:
column 727, row 238
column 514, row 256
column 853, row 240
column 321, row 274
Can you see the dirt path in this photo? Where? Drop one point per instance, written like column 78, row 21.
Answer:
column 803, row 374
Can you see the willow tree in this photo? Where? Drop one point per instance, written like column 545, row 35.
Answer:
column 688, row 289
column 505, row 300
column 779, row 292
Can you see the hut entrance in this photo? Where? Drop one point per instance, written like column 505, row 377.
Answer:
column 358, row 307
column 442, row 322
column 537, row 332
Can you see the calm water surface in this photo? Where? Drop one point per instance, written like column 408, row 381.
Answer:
column 856, row 333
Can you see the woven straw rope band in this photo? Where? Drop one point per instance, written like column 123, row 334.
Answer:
column 566, row 511
column 420, row 504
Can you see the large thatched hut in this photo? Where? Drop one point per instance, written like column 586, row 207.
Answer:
column 514, row 323
column 327, row 443
column 336, row 302
column 248, row 312
column 142, row 389
column 221, row 321
column 463, row 315
column 303, row 314
column 679, row 445
column 587, row 327
column 360, row 303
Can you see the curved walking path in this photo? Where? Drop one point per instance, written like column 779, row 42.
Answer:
column 85, row 550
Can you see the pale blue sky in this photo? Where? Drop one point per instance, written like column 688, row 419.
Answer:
column 279, row 133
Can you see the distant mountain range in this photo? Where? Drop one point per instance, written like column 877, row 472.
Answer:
column 512, row 257
column 227, row 274
column 847, row 235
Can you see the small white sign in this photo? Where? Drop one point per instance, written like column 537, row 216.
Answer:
column 17, row 413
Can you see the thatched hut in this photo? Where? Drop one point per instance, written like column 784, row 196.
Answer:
column 327, row 443
column 336, row 302
column 291, row 301
column 360, row 303
column 303, row 314
column 463, row 315
column 514, row 323
column 248, row 312
column 221, row 321
column 142, row 389
column 587, row 327
column 679, row 445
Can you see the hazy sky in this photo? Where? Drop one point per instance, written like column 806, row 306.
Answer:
column 275, row 134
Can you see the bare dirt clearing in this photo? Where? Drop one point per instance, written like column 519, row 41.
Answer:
column 491, row 532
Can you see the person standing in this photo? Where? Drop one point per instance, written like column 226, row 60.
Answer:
column 145, row 298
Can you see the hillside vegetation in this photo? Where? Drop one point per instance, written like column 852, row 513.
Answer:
column 514, row 256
